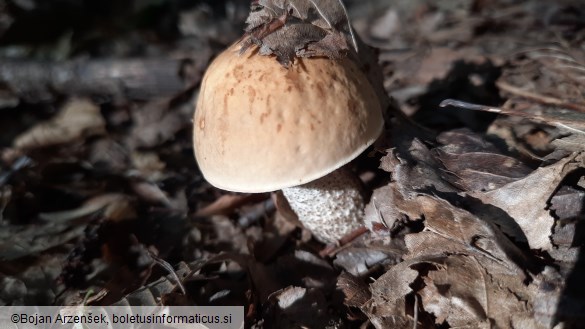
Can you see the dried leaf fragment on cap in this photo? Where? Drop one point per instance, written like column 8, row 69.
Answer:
column 299, row 28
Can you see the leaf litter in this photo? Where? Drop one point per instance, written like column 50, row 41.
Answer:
column 474, row 221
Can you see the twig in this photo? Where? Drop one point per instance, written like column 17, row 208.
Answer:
column 228, row 203
column 139, row 78
column 164, row 264
column 478, row 107
column 546, row 100
column 415, row 311
column 331, row 250
column 470, row 106
column 20, row 163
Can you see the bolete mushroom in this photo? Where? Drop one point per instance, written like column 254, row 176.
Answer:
column 261, row 127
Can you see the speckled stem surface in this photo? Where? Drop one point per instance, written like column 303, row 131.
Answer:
column 330, row 207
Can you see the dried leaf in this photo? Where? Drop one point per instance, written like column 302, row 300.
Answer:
column 149, row 165
column 568, row 203
column 150, row 192
column 470, row 262
column 109, row 154
column 472, row 274
column 559, row 79
column 440, row 61
column 158, row 122
column 572, row 143
column 18, row 242
column 355, row 290
column 154, row 291
column 543, row 85
column 459, row 232
column 526, row 200
column 380, row 211
column 386, row 25
column 61, row 227
column 88, row 207
column 34, row 279
column 414, row 170
column 299, row 28
column 474, row 164
column 78, row 119
column 464, row 293
column 228, row 203
column 391, row 288
column 289, row 296
column 388, row 305
column 286, row 52
column 358, row 261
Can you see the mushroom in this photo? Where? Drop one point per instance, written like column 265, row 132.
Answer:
column 261, row 127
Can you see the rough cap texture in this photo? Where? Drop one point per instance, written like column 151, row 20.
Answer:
column 260, row 127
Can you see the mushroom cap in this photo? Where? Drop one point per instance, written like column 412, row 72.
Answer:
column 261, row 127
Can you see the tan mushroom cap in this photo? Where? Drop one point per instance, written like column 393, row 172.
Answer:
column 260, row 127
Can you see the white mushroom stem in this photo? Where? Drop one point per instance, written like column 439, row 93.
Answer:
column 330, row 207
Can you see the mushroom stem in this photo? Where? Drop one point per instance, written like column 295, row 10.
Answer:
column 330, row 207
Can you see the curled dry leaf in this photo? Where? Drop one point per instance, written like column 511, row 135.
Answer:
column 378, row 210
column 526, row 200
column 79, row 118
column 413, row 169
column 476, row 166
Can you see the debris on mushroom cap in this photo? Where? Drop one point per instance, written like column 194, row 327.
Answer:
column 261, row 127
